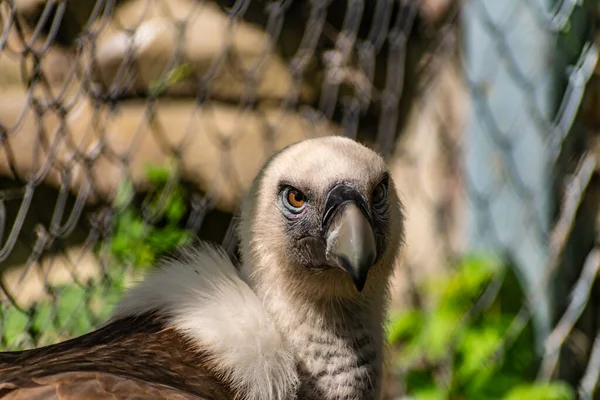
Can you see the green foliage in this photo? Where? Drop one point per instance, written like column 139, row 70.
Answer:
column 542, row 391
column 14, row 325
column 140, row 242
column 140, row 236
column 72, row 310
column 173, row 77
column 447, row 353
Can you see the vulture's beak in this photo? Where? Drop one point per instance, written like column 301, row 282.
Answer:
column 349, row 234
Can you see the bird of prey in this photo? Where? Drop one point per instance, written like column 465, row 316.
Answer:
column 302, row 317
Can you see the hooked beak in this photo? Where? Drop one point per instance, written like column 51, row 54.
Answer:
column 351, row 242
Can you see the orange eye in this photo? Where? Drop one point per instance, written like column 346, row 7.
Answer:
column 295, row 198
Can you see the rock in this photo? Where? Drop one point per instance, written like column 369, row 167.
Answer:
column 77, row 14
column 219, row 147
column 220, row 56
column 10, row 70
column 17, row 66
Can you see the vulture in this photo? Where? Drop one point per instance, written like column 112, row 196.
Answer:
column 301, row 317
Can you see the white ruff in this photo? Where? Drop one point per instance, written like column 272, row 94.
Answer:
column 202, row 295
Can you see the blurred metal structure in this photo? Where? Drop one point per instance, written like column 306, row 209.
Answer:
column 517, row 68
column 92, row 91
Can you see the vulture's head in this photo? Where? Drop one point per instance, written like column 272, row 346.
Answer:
column 322, row 217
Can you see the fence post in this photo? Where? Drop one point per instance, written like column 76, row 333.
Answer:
column 516, row 67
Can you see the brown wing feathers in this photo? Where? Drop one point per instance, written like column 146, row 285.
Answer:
column 94, row 386
column 135, row 357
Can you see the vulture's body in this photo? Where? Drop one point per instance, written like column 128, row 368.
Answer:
column 302, row 319
column 135, row 357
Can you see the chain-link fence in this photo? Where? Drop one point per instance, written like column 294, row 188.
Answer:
column 128, row 127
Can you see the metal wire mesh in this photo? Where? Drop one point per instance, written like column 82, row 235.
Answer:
column 129, row 127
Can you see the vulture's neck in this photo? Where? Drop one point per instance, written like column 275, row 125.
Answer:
column 338, row 344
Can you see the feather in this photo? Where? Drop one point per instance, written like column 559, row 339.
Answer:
column 133, row 357
column 202, row 296
column 192, row 311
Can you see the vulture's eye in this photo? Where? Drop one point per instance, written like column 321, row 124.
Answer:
column 294, row 199
column 379, row 194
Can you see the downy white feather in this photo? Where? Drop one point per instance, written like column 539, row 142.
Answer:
column 202, row 295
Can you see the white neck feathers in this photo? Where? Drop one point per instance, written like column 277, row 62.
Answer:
column 201, row 294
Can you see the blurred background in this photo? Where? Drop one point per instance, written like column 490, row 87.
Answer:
column 130, row 127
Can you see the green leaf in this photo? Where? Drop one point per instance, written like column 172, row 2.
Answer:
column 144, row 255
column 174, row 76
column 176, row 207
column 104, row 299
column 403, row 326
column 42, row 317
column 421, row 380
column 542, row 391
column 70, row 310
column 180, row 73
column 14, row 324
column 466, row 284
column 440, row 330
column 167, row 239
column 488, row 384
column 125, row 193
column 432, row 393
column 157, row 175
column 477, row 348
